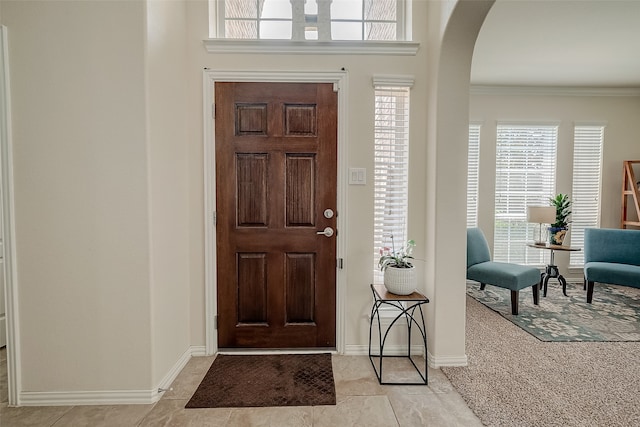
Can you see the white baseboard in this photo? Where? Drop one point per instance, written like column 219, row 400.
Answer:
column 394, row 350
column 146, row 397
column 109, row 397
column 440, row 361
column 389, row 350
column 3, row 327
column 177, row 367
column 198, row 351
column 75, row 398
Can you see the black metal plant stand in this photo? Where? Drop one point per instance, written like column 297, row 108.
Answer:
column 409, row 308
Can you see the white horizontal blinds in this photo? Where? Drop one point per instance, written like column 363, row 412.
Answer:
column 525, row 175
column 473, row 168
column 391, row 169
column 587, row 173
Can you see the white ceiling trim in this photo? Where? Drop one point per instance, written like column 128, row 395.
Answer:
column 553, row 90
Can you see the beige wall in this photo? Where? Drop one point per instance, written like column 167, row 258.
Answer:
column 167, row 146
column 80, row 164
column 108, row 140
column 618, row 113
column 101, row 184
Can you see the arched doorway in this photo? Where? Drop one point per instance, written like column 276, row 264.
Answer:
column 456, row 25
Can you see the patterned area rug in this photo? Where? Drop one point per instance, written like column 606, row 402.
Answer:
column 614, row 314
column 266, row 380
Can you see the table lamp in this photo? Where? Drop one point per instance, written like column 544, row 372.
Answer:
column 541, row 215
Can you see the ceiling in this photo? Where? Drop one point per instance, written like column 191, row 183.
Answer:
column 581, row 43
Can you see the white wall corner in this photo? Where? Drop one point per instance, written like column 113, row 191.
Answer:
column 440, row 361
column 168, row 379
column 198, row 351
column 110, row 397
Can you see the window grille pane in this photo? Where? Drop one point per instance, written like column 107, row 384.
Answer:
column 473, row 169
column 241, row 9
column 379, row 31
column 380, row 10
column 275, row 30
column 276, row 9
column 346, row 9
column 587, row 174
column 525, row 175
column 391, row 169
column 346, row 30
column 241, row 29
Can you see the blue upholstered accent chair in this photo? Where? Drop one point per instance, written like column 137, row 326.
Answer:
column 612, row 256
column 510, row 276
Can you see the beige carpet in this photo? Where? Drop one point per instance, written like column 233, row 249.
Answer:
column 513, row 379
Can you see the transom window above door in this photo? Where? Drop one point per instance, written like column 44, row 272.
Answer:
column 298, row 20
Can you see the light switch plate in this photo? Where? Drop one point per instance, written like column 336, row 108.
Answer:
column 357, row 176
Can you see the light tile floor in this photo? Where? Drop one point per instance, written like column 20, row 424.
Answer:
column 361, row 401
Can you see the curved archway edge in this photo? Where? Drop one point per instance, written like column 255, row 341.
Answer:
column 447, row 141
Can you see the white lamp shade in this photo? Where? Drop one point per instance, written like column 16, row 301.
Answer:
column 541, row 214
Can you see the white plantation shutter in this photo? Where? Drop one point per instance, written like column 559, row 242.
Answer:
column 473, row 168
column 391, row 169
column 587, row 174
column 525, row 175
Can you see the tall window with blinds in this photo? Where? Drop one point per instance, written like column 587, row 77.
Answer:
column 587, row 175
column 391, row 169
column 473, row 169
column 525, row 175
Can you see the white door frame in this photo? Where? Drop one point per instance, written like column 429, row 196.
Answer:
column 339, row 80
column 8, row 226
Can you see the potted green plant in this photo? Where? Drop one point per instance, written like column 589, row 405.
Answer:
column 399, row 273
column 558, row 230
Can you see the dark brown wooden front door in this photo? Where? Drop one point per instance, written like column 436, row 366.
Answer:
column 276, row 174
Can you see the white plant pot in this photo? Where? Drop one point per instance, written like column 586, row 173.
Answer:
column 400, row 281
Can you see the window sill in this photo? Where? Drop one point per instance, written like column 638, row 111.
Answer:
column 335, row 47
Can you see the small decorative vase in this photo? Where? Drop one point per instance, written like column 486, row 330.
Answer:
column 400, row 281
column 556, row 235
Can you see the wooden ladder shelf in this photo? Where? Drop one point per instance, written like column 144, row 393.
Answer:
column 630, row 191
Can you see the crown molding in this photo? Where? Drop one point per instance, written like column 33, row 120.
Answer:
column 553, row 90
column 334, row 47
